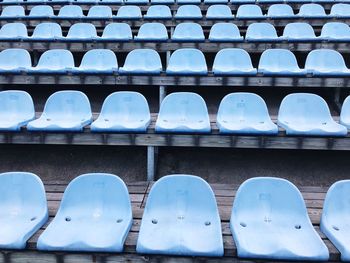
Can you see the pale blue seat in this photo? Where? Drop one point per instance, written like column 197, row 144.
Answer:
column 280, row 11
column 244, row 113
column 269, row 220
column 117, row 32
column 183, row 112
column 12, row 1
column 163, row 2
column 12, row 11
column 340, row 10
column 186, row 2
column 67, row 110
column 100, row 12
column 188, row 12
column 123, row 111
column 213, row 2
column 82, row 32
column 335, row 31
column 240, row 2
column 158, row 12
column 47, row 31
column 233, row 61
column 345, row 113
column 279, row 62
column 13, row 31
column 98, row 61
column 152, row 32
column 129, row 12
column 219, row 12
column 94, row 215
column 118, row 2
column 326, row 62
column 225, row 32
column 261, row 32
column 55, row 61
column 16, row 110
column 312, row 11
column 335, row 217
column 308, row 114
column 136, row 2
column 188, row 32
column 23, row 208
column 187, row 61
column 41, row 11
column 15, row 61
column 70, row 11
column 299, row 32
column 181, row 217
column 142, row 62
column 249, row 11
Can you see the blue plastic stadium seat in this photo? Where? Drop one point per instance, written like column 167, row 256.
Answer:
column 129, row 12
column 98, row 61
column 345, row 113
column 233, row 61
column 163, row 2
column 70, row 11
column 280, row 11
column 100, row 11
column 212, row 2
column 23, row 208
column 41, row 11
column 269, row 220
column 335, row 31
column 240, row 2
column 312, row 11
column 47, row 31
column 67, row 110
column 335, row 214
column 244, row 113
column 14, row 61
column 123, row 111
column 117, row 32
column 13, row 11
column 261, row 32
column 225, row 32
column 16, row 110
column 12, row 1
column 82, row 32
column 181, row 218
column 142, row 61
column 13, row 31
column 118, row 2
column 340, row 10
column 158, row 12
column 136, row 2
column 326, row 62
column 55, row 61
column 279, row 62
column 219, row 12
column 152, row 32
column 186, row 2
column 299, row 31
column 249, row 11
column 187, row 61
column 308, row 114
column 188, row 32
column 183, row 112
column 188, row 12
column 95, row 215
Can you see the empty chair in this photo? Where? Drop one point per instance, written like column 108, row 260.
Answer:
column 117, row 32
column 94, row 215
column 345, row 113
column 269, row 220
column 261, row 32
column 158, row 12
column 183, row 112
column 14, row 61
column 233, row 61
column 279, row 62
column 181, row 218
column 118, row 2
column 163, row 2
column 102, row 12
column 340, row 10
column 70, row 11
column 16, row 110
column 211, row 2
column 129, row 12
column 240, row 2
column 188, row 32
column 12, row 11
column 123, row 111
column 219, row 12
column 13, row 31
column 136, row 2
column 81, row 32
column 308, row 114
column 280, row 11
column 326, row 62
column 224, row 32
column 187, row 61
column 40, row 11
column 152, row 32
column 334, row 31
column 186, row 2
column 188, row 12
column 312, row 11
column 299, row 31
column 142, row 61
column 249, row 11
column 23, row 208
column 98, row 61
column 66, row 110
column 47, row 31
column 55, row 61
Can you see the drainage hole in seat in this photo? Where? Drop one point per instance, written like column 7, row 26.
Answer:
column 68, row 219
column 119, row 220
column 243, row 224
column 335, row 228
column 207, row 223
column 33, row 218
column 154, row 221
column 297, row 226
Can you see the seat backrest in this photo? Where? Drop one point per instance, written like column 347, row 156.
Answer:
column 56, row 59
column 280, row 10
column 278, row 60
column 188, row 11
column 325, row 60
column 188, row 30
column 70, row 11
column 140, row 59
column 188, row 58
column 224, row 30
column 16, row 105
column 219, row 11
column 345, row 113
column 117, row 30
column 153, row 30
column 311, row 10
column 298, row 30
column 82, row 30
column 261, row 30
column 41, row 10
column 335, row 30
column 47, row 30
column 12, row 11
column 158, row 11
column 233, row 58
column 13, row 30
column 340, row 10
column 99, row 59
column 129, row 11
column 249, row 10
column 13, row 58
column 100, row 11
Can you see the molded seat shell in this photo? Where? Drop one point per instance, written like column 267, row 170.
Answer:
column 54, row 61
column 345, row 113
column 13, row 31
column 70, row 11
column 15, row 60
column 188, row 32
column 183, row 112
column 186, row 2
column 219, row 12
column 249, row 11
column 163, row 2
column 188, row 12
column 136, row 2
column 95, row 215
column 23, row 208
column 129, row 12
column 100, row 12
column 123, row 111
column 158, row 12
column 312, row 10
column 280, row 11
column 152, row 32
column 335, row 31
column 142, row 61
column 98, row 61
column 16, row 110
column 308, row 114
column 299, row 31
column 47, row 31
column 244, row 113
column 181, row 218
column 117, row 32
column 261, row 32
column 269, row 220
column 64, row 111
column 81, row 32
column 41, row 11
column 187, row 61
column 340, row 10
column 13, row 11
column 211, row 2
column 224, row 32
